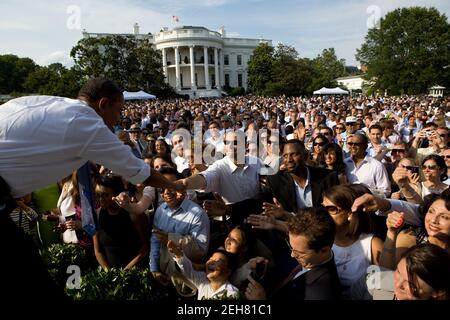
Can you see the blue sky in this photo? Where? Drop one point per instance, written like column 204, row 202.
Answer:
column 39, row 29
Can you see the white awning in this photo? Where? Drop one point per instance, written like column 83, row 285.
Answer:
column 336, row 90
column 139, row 95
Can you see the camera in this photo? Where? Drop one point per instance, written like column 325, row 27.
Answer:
column 428, row 133
column 413, row 169
column 70, row 218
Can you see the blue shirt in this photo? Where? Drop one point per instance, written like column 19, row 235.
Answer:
column 189, row 219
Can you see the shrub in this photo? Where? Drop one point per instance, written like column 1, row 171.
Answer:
column 118, row 284
column 58, row 257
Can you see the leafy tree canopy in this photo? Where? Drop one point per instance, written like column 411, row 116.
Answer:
column 409, row 52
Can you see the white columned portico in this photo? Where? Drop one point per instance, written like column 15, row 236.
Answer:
column 191, row 58
column 206, row 60
column 222, row 77
column 177, row 69
column 164, row 60
column 216, row 68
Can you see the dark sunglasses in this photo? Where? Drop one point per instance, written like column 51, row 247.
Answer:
column 355, row 143
column 332, row 209
column 398, row 151
column 320, row 144
column 229, row 142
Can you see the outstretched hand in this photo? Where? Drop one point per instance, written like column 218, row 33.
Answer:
column 367, row 203
column 276, row 210
column 216, row 207
column 180, row 185
column 175, row 249
column 123, row 200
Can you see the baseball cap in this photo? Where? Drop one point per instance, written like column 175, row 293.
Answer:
column 351, row 119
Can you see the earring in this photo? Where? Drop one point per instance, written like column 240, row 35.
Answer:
column 349, row 218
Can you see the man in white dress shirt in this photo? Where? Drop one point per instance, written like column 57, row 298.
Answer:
column 361, row 168
column 42, row 140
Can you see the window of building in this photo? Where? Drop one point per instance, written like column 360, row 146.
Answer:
column 181, row 80
column 196, row 80
column 226, row 60
column 239, row 60
column 240, row 80
column 227, row 80
column 213, row 80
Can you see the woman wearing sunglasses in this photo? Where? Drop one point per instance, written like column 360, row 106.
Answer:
column 354, row 248
column 317, row 158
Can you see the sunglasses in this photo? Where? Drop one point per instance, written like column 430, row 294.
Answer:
column 447, row 156
column 339, row 128
column 320, row 144
column 231, row 142
column 331, row 209
column 398, row 150
column 429, row 167
column 355, row 143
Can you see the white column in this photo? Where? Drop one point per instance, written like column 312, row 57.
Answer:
column 177, row 69
column 164, row 61
column 206, row 60
column 216, row 68
column 191, row 58
column 222, row 74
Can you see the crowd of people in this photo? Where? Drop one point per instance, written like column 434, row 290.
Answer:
column 277, row 198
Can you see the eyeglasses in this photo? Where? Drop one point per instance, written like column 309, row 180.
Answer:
column 355, row 143
column 350, row 123
column 429, row 167
column 295, row 252
column 444, row 135
column 398, row 150
column 225, row 121
column 246, row 118
column 320, row 144
column 446, row 156
column 339, row 128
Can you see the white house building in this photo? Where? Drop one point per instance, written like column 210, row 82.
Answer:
column 197, row 61
column 352, row 83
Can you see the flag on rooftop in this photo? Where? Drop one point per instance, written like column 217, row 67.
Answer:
column 175, row 18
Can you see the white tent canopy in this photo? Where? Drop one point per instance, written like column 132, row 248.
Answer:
column 336, row 90
column 139, row 95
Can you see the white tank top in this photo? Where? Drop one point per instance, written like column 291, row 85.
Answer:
column 353, row 261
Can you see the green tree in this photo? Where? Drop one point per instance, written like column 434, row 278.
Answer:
column 13, row 72
column 54, row 80
column 131, row 63
column 327, row 68
column 291, row 75
column 260, row 68
column 408, row 52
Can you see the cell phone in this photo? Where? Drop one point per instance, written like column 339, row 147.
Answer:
column 259, row 272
